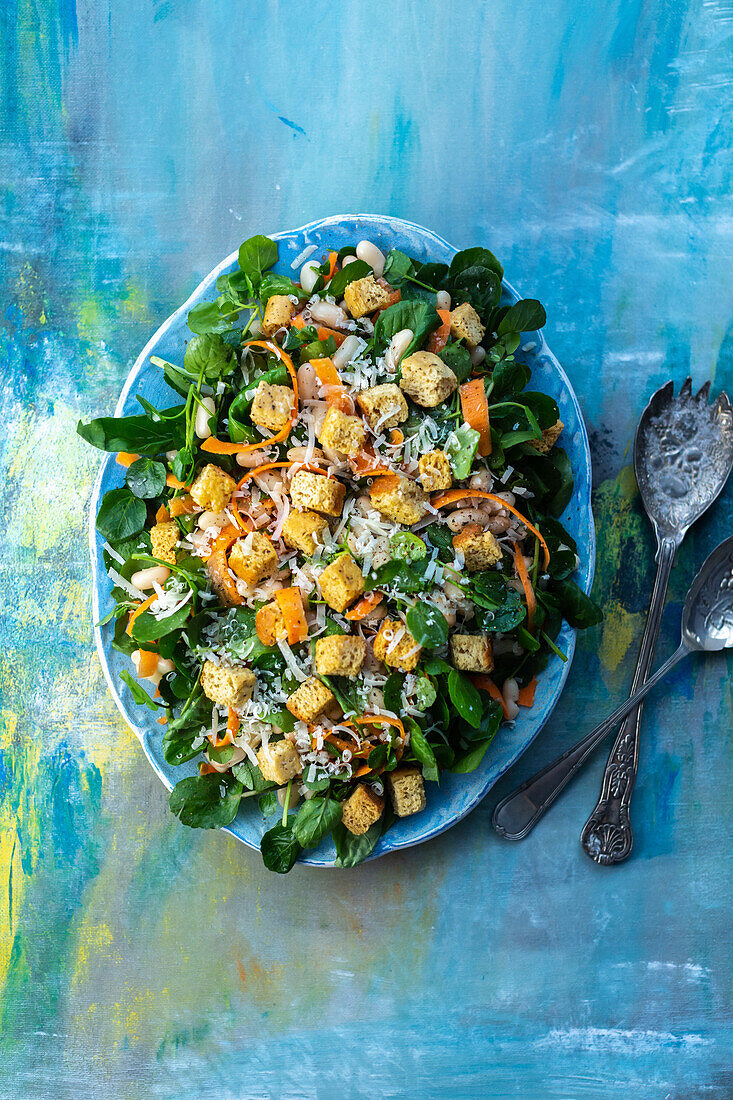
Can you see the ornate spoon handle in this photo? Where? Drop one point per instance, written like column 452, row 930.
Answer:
column 607, row 836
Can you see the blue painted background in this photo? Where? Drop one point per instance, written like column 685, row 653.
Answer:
column 589, row 145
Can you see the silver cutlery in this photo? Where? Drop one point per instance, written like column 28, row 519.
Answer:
column 683, row 454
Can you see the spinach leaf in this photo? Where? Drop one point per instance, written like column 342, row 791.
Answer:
column 121, row 515
column 498, row 606
column 509, row 377
column 431, row 274
column 206, row 801
column 422, row 750
column 524, row 316
column 460, row 447
column 146, row 478
column 318, row 349
column 440, row 538
column 206, row 318
column 543, row 406
column 251, row 777
column 407, row 547
column 563, row 549
column 255, row 255
column 280, row 849
column 139, row 693
column 428, row 625
column 392, row 692
column 550, row 477
column 425, row 692
column 137, row 434
column 268, row 803
column 407, row 578
column 208, row 356
column 352, row 850
column 315, row 820
column 480, row 286
column 474, row 257
column 421, row 317
column 357, row 269
column 147, row 628
column 398, row 268
column 465, row 698
column 279, row 284
column 469, row 760
column 577, row 608
column 458, row 358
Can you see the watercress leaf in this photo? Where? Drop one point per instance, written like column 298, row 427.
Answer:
column 378, row 757
column 251, row 777
column 440, row 538
column 524, row 316
column 458, row 358
column 279, row 284
column 498, row 606
column 138, row 692
column 577, row 608
column 509, row 377
column 318, row 349
column 183, row 465
column 137, row 434
column 428, row 625
column 563, row 549
column 543, row 406
column 280, row 849
column 422, row 750
column 357, row 269
column 475, row 257
column 255, row 255
column 407, row 547
column 465, row 698
column 470, row 759
column 352, row 850
column 147, row 628
column 206, row 317
column 425, row 692
column 436, row 666
column 316, row 818
column 478, row 285
column 431, row 274
column 206, row 801
column 209, row 356
column 460, row 447
column 398, row 267
column 146, row 478
column 120, row 515
column 268, row 803
column 182, row 737
column 392, row 692
column 419, row 316
column 560, row 499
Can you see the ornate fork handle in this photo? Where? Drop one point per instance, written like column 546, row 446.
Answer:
column 607, row 836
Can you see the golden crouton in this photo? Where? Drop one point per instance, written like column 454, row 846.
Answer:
column 341, row 582
column 272, row 406
column 465, row 324
column 343, row 433
column 227, row 685
column 303, row 531
column 479, row 547
column 471, row 653
column 384, row 406
column 213, row 488
column 317, row 492
column 279, row 762
column 426, row 379
column 435, row 471
column 340, row 655
column 163, row 537
column 407, row 790
column 395, row 646
column 270, row 624
column 398, row 498
column 365, row 295
column 309, row 701
column 253, row 558
column 550, row 437
column 361, row 809
column 278, row 311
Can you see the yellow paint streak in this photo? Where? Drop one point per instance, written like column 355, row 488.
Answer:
column 620, row 631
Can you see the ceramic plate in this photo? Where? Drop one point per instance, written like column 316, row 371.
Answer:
column 457, row 795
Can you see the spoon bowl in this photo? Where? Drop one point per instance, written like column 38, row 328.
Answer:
column 707, row 619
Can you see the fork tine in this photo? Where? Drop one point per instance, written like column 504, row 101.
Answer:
column 722, row 403
column 703, row 394
column 686, row 389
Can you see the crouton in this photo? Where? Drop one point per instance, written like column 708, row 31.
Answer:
column 426, row 379
column 471, row 652
column 435, row 471
column 340, row 655
column 279, row 762
column 213, row 488
column 226, row 685
column 278, row 311
column 365, row 295
column 384, row 406
column 253, row 558
column 272, row 406
column 361, row 809
column 465, row 324
column 479, row 547
column 398, row 498
column 550, row 437
column 395, row 646
column 343, row 433
column 310, row 700
column 406, row 790
column 163, row 537
column 341, row 582
column 270, row 624
column 304, row 531
column 316, row 492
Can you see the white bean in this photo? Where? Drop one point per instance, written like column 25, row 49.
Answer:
column 299, row 454
column 165, row 665
column 498, row 525
column 294, row 796
column 346, row 352
column 510, row 691
column 446, row 609
column 371, row 255
column 319, row 410
column 348, row 260
column 442, row 300
column 250, row 459
column 463, row 516
column 398, row 345
column 376, row 699
column 508, row 497
column 146, row 578
column 309, row 275
column 170, row 455
column 452, row 592
column 211, row 519
column 206, row 409
column 271, row 481
column 307, row 382
column 482, row 480
column 477, row 355
column 330, row 314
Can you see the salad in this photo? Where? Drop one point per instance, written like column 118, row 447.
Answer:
column 336, row 559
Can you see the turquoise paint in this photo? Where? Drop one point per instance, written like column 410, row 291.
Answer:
column 590, row 147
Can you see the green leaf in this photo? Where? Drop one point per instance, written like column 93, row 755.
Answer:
column 432, row 275
column 139, row 693
column 422, row 750
column 280, row 849
column 460, row 447
column 357, row 269
column 508, row 378
column 577, row 608
column 469, row 760
column 206, row 801
column 425, row 692
column 316, row 818
column 147, row 628
column 458, row 358
column 252, row 778
column 207, row 318
column 407, row 547
column 255, row 255
column 524, row 316
column 474, row 257
column 498, row 606
column 398, row 268
column 137, row 434
column 268, row 803
column 392, row 692
column 208, row 356
column 352, row 850
column 428, row 625
column 440, row 538
column 279, row 284
column 465, row 698
column 146, row 478
column 421, row 317
column 120, row 515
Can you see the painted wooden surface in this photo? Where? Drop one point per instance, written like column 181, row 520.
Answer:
column 589, row 145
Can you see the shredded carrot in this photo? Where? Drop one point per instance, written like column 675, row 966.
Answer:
column 523, row 575
column 450, row 496
column 147, row 664
column 396, row 437
column 439, row 338
column 298, row 321
column 231, row 731
column 277, row 466
column 366, row 464
column 139, row 610
column 124, row 458
column 332, row 260
column 163, row 721
column 380, row 720
column 475, row 409
column 173, row 482
column 290, row 602
column 235, row 512
column 205, row 768
column 220, row 447
column 182, row 506
column 336, row 392
column 485, row 683
column 324, row 332
column 526, row 694
column 218, row 565
column 366, row 604
column 162, row 515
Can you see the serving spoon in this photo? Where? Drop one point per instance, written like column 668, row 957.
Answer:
column 683, row 453
column 707, row 627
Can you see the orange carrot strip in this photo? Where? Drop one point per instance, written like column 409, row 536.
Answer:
column 298, row 321
column 162, row 515
column 220, row 447
column 450, row 496
column 439, row 338
column 173, row 482
column 367, row 465
column 147, row 665
column 396, row 437
column 124, row 458
column 163, row 721
column 290, row 602
column 332, row 259
column 336, row 393
column 523, row 575
column 366, row 604
column 324, row 332
column 139, row 610
column 485, row 683
column 182, row 506
column 231, row 731
column 475, row 409
column 394, row 297
column 218, row 565
column 205, row 768
column 526, row 694
column 380, row 720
